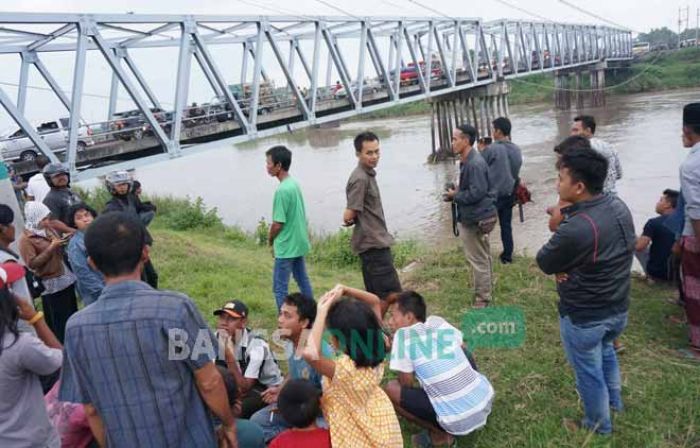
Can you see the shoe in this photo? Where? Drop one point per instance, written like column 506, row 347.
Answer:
column 479, row 304
column 505, row 260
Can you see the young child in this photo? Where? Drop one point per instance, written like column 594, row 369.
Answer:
column 299, row 402
column 89, row 282
column 357, row 410
column 248, row 434
column 452, row 398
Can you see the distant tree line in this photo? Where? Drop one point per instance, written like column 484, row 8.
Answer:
column 665, row 37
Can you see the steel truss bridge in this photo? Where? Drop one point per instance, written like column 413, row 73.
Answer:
column 378, row 61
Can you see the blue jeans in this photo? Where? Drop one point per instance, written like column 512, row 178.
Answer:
column 284, row 267
column 589, row 350
column 272, row 423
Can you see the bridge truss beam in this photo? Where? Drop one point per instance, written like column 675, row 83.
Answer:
column 413, row 59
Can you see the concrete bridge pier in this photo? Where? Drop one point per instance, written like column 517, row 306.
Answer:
column 478, row 107
column 597, row 77
column 562, row 92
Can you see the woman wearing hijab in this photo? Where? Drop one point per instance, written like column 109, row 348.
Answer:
column 42, row 251
column 23, row 357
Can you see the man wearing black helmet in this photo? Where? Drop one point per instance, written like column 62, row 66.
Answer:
column 60, row 198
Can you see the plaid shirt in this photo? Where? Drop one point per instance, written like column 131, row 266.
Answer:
column 116, row 358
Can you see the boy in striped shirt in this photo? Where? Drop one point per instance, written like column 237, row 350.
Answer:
column 451, row 398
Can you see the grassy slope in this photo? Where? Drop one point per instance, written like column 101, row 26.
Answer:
column 534, row 386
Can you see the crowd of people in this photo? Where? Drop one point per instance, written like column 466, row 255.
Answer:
column 135, row 365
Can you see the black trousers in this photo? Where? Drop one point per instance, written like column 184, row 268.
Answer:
column 379, row 273
column 149, row 274
column 58, row 307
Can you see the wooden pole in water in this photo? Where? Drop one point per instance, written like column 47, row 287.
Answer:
column 505, row 105
column 448, row 121
column 432, row 128
column 457, row 110
column 472, row 103
column 438, row 118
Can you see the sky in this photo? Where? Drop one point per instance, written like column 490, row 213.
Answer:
column 639, row 15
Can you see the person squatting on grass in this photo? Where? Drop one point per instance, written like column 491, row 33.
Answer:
column 591, row 252
column 451, row 399
column 258, row 367
column 358, row 411
column 295, row 318
column 300, row 404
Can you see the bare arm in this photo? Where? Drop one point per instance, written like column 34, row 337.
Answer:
column 60, row 227
column 406, row 379
column 96, row 424
column 312, row 352
column 275, row 229
column 43, row 332
column 642, row 243
column 364, row 296
column 349, row 216
column 36, row 260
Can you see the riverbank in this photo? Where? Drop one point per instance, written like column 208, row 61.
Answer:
column 655, row 72
column 197, row 255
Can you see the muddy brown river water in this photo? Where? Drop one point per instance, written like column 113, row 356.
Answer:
column 645, row 129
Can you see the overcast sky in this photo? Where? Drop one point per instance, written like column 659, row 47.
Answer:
column 639, row 15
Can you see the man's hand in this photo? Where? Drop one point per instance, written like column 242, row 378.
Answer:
column 270, row 394
column 561, row 277
column 227, row 437
column 676, row 249
column 449, row 194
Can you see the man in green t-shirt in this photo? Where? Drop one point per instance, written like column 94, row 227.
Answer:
column 288, row 234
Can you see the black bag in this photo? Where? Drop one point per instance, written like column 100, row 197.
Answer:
column 34, row 284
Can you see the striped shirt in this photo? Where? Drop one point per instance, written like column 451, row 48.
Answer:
column 119, row 358
column 461, row 397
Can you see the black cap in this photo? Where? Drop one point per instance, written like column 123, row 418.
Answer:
column 691, row 114
column 234, row 308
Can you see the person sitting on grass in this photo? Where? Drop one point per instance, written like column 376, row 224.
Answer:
column 358, row 412
column 89, row 282
column 257, row 364
column 452, row 399
column 299, row 403
column 248, row 434
column 653, row 247
column 296, row 316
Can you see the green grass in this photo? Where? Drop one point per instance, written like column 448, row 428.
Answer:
column 534, row 386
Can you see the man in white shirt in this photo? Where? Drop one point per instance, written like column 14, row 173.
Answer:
column 584, row 125
column 37, row 188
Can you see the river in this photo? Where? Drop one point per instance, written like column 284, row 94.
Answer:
column 645, row 129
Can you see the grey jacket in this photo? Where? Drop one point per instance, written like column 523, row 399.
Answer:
column 594, row 245
column 504, row 159
column 475, row 199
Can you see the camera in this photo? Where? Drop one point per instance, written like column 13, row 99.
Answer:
column 448, row 186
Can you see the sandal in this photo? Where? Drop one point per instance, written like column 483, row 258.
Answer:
column 423, row 440
column 691, row 354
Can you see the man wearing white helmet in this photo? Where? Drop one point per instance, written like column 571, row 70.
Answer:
column 119, row 184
